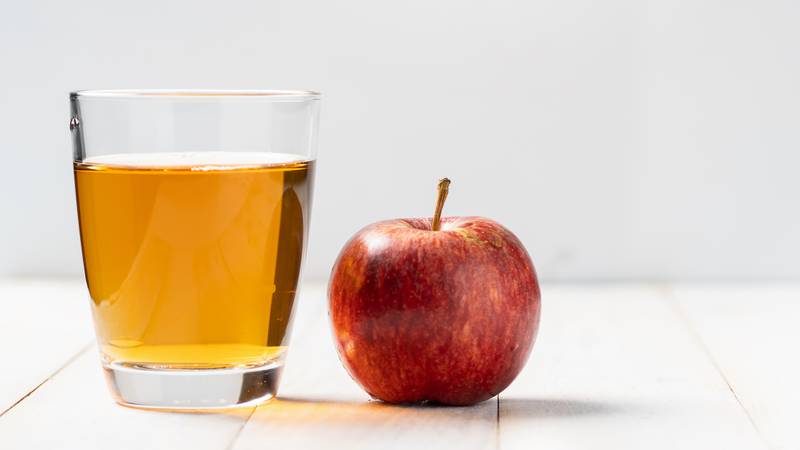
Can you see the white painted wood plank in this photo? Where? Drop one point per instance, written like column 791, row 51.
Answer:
column 613, row 367
column 43, row 323
column 74, row 410
column 753, row 334
column 616, row 367
column 319, row 406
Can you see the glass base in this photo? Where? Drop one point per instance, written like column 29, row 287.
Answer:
column 192, row 389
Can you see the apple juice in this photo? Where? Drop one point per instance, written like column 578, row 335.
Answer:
column 192, row 259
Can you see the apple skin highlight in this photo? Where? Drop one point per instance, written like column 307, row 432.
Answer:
column 448, row 316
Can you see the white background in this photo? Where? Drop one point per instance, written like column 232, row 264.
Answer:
column 637, row 139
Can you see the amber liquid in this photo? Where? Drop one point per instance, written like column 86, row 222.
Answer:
column 193, row 261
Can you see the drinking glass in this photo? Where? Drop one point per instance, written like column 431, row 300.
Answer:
column 194, row 211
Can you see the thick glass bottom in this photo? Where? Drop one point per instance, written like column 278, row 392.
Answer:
column 192, row 388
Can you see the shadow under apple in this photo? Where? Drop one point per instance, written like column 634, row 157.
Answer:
column 373, row 411
column 554, row 408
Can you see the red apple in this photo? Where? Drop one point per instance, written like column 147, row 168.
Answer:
column 443, row 310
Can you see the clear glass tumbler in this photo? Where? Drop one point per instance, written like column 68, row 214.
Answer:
column 194, row 210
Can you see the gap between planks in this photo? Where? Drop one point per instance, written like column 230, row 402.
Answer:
column 241, row 428
column 69, row 361
column 672, row 301
column 497, row 423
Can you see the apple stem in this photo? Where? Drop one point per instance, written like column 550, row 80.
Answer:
column 443, row 188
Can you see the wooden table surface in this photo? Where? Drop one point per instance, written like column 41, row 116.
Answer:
column 615, row 366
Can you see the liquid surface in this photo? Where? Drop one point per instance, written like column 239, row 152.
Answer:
column 192, row 259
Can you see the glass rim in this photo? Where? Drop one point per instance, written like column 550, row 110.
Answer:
column 207, row 94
